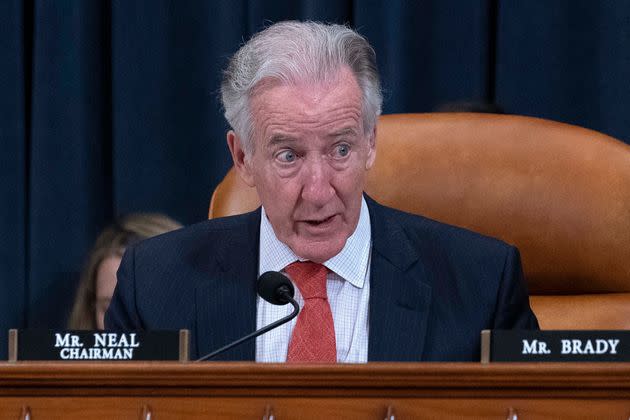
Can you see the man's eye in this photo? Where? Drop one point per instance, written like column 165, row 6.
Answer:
column 286, row 156
column 342, row 150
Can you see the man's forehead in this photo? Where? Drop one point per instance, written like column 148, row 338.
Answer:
column 309, row 89
column 293, row 128
column 335, row 108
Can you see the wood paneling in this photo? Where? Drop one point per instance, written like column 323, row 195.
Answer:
column 247, row 390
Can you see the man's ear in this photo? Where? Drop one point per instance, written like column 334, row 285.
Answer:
column 241, row 162
column 372, row 150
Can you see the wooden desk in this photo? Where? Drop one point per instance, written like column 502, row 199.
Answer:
column 246, row 390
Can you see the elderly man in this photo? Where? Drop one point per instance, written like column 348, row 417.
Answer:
column 374, row 283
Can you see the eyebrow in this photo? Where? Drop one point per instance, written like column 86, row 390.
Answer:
column 344, row 132
column 287, row 139
column 280, row 139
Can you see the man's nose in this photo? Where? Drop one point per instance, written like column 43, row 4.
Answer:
column 317, row 182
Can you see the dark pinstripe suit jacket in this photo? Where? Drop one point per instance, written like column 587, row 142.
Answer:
column 433, row 287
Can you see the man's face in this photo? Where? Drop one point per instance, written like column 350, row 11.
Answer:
column 310, row 162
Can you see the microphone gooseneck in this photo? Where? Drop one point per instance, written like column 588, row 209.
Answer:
column 275, row 288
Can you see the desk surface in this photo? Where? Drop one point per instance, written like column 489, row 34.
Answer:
column 122, row 390
column 392, row 379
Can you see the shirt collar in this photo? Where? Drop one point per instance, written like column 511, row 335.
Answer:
column 351, row 263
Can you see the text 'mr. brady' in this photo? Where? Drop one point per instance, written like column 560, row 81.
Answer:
column 572, row 346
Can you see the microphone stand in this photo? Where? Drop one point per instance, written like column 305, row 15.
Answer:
column 296, row 310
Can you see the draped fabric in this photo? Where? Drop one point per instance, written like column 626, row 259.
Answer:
column 109, row 107
column 566, row 60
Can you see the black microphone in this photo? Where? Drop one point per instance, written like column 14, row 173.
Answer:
column 275, row 288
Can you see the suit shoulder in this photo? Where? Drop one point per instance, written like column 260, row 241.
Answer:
column 214, row 231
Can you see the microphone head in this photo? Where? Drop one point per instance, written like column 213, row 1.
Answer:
column 274, row 287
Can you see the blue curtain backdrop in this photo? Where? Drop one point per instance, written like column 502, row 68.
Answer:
column 109, row 107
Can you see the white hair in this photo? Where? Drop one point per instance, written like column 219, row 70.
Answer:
column 292, row 52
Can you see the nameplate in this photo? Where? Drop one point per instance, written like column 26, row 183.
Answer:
column 554, row 346
column 98, row 346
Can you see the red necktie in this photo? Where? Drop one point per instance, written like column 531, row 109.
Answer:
column 313, row 338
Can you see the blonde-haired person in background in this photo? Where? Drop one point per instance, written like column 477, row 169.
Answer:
column 98, row 278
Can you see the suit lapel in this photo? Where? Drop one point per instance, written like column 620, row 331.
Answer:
column 226, row 300
column 399, row 298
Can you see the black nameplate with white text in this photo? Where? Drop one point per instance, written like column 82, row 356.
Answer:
column 98, row 345
column 555, row 346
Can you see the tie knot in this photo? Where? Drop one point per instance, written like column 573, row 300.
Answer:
column 309, row 277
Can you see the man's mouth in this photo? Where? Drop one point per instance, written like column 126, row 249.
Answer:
column 319, row 222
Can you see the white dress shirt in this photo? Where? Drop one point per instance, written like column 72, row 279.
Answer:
column 348, row 286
